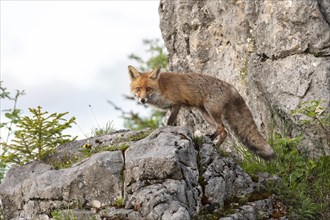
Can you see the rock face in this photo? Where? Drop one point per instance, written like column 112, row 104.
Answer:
column 276, row 53
column 163, row 176
column 36, row 188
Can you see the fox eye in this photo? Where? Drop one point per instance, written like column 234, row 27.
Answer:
column 149, row 89
column 137, row 89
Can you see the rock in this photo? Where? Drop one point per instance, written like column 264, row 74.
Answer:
column 163, row 176
column 305, row 79
column 75, row 150
column 96, row 204
column 115, row 214
column 75, row 214
column 225, row 179
column 35, row 188
column 276, row 53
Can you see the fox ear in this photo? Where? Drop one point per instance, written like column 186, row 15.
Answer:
column 155, row 73
column 133, row 73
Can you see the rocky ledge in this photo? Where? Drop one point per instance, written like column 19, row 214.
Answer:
column 167, row 175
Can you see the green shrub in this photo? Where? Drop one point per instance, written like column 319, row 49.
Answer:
column 37, row 136
column 305, row 182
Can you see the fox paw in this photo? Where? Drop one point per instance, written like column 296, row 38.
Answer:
column 212, row 136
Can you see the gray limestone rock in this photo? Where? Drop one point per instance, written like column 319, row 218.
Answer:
column 163, row 176
column 276, row 53
column 36, row 188
column 225, row 179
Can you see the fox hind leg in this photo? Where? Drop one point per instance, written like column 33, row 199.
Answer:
column 220, row 131
column 207, row 116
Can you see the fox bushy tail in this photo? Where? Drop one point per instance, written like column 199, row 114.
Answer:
column 240, row 120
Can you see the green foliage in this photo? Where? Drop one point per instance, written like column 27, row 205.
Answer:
column 135, row 122
column 139, row 136
column 103, row 131
column 119, row 202
column 63, row 215
column 198, row 140
column 2, row 171
column 74, row 211
column 157, row 56
column 66, row 162
column 37, row 136
column 305, row 183
column 13, row 116
column 89, row 150
column 314, row 113
column 71, row 214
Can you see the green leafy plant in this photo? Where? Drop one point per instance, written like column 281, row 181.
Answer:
column 157, row 56
column 65, row 162
column 140, row 135
column 67, row 214
column 89, row 150
column 119, row 202
column 99, row 130
column 13, row 116
column 37, row 136
column 313, row 112
column 103, row 131
column 305, row 183
column 135, row 122
column 56, row 214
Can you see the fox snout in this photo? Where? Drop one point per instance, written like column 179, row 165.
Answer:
column 143, row 100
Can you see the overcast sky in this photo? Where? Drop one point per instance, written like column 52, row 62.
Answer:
column 68, row 55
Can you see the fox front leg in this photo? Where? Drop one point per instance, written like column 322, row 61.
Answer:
column 174, row 113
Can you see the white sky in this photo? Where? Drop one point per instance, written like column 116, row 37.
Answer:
column 68, row 55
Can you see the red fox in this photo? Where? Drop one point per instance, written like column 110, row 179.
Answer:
column 215, row 99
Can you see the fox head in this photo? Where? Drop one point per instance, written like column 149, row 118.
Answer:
column 144, row 85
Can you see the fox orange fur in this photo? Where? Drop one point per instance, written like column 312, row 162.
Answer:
column 215, row 99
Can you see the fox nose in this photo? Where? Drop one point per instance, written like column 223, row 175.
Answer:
column 143, row 101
